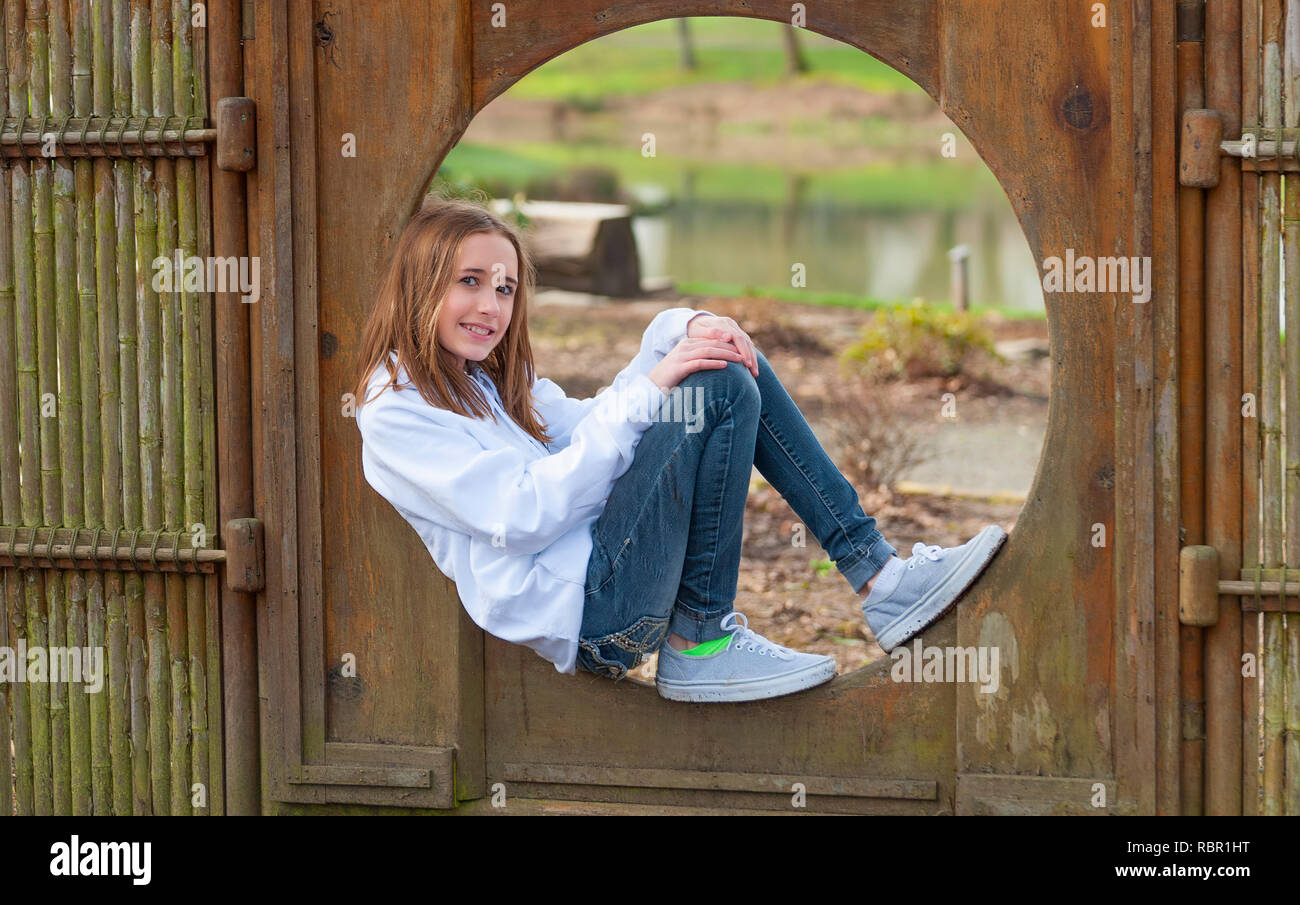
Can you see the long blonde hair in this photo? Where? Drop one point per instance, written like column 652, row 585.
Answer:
column 405, row 316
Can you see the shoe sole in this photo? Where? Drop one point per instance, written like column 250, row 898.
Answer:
column 943, row 597
column 756, row 689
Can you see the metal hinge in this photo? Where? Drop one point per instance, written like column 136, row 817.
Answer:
column 1203, row 144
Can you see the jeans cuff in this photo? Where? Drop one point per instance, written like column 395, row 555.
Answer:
column 858, row 569
column 696, row 627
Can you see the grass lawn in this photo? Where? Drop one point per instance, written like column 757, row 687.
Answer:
column 931, row 185
column 838, row 299
column 647, row 58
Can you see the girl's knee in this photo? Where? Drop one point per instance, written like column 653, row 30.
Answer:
column 741, row 384
column 733, row 386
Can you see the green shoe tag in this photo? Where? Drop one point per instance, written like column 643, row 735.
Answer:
column 707, row 647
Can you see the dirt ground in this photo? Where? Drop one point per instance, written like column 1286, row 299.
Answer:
column 581, row 343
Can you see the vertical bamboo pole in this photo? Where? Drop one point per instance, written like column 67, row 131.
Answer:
column 1191, row 414
column 72, row 794
column 195, row 415
column 172, row 418
column 1270, row 408
column 1288, row 646
column 92, row 425
column 77, row 714
column 1252, row 724
column 109, row 722
column 134, row 750
column 233, row 379
column 1223, row 284
column 208, row 731
column 1292, row 801
column 45, row 597
column 151, row 427
column 26, row 396
column 8, row 448
column 209, row 767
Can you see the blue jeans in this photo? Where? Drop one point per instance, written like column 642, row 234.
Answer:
column 666, row 548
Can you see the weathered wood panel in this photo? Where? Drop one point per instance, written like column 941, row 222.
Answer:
column 1060, row 114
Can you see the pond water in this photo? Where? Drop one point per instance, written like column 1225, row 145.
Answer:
column 875, row 253
column 734, row 226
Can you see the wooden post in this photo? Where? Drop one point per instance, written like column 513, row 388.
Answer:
column 959, row 258
column 1223, row 680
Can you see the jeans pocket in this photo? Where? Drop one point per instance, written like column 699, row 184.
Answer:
column 599, row 571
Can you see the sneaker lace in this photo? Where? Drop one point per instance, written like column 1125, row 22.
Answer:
column 922, row 552
column 738, row 625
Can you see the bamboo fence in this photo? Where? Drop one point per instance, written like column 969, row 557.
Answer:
column 106, row 410
column 1276, row 633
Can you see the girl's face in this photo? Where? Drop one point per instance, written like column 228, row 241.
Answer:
column 482, row 295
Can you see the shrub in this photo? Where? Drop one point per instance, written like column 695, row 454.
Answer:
column 913, row 340
column 877, row 441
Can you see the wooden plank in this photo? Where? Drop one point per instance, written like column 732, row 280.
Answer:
column 901, row 33
column 306, row 339
column 277, row 456
column 384, row 52
column 546, row 807
column 1167, row 512
column 842, row 786
column 358, row 775
column 1080, row 81
column 986, row 794
column 233, row 622
column 1137, row 620
column 1081, row 93
column 862, row 724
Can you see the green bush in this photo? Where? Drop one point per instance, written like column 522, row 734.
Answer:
column 915, row 340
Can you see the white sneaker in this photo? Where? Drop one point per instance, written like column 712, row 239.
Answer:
column 749, row 668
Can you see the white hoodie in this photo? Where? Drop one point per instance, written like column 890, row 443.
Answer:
column 506, row 518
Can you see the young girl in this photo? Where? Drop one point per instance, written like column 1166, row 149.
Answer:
column 594, row 530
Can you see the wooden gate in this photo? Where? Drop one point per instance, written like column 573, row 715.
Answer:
column 351, row 677
column 437, row 714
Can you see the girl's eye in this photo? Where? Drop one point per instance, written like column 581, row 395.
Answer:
column 509, row 290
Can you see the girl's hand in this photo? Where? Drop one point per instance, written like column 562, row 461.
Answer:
column 691, row 355
column 706, row 326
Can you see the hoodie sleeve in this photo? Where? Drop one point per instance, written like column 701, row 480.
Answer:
column 562, row 413
column 421, row 459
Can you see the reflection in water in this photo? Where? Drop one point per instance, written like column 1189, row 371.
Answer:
column 880, row 254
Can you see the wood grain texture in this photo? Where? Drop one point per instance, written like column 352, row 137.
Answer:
column 1061, row 112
